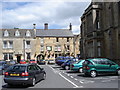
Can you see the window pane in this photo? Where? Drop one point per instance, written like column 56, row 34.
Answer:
column 10, row 44
column 5, row 56
column 11, row 56
column 28, row 56
column 5, row 44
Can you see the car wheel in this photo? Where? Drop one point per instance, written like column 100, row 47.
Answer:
column 67, row 67
column 80, row 70
column 118, row 72
column 44, row 76
column 93, row 74
column 33, row 82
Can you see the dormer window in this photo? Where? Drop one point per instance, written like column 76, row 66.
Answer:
column 17, row 33
column 28, row 34
column 6, row 34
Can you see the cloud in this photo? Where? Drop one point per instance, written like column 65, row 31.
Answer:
column 61, row 14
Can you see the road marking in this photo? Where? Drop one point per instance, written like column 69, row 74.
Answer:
column 71, row 76
column 75, row 79
column 70, row 81
column 108, row 80
column 76, row 86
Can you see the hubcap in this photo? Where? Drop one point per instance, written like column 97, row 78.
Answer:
column 44, row 76
column 93, row 74
column 80, row 70
column 118, row 72
column 67, row 67
column 33, row 81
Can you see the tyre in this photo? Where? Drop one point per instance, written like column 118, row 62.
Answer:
column 80, row 70
column 118, row 72
column 33, row 82
column 44, row 76
column 93, row 74
column 67, row 67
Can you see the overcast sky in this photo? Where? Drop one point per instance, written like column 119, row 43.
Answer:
column 58, row 14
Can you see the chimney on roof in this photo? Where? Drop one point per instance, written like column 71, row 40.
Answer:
column 34, row 26
column 70, row 27
column 46, row 26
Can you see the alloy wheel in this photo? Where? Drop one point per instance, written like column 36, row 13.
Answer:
column 33, row 82
column 80, row 70
column 67, row 67
column 118, row 72
column 44, row 76
column 93, row 74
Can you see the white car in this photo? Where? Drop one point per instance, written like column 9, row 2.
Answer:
column 51, row 61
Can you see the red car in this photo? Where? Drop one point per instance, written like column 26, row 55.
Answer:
column 22, row 62
column 32, row 61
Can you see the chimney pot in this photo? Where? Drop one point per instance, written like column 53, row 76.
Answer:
column 70, row 26
column 34, row 26
column 46, row 26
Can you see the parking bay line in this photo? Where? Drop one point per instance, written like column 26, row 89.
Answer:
column 76, row 86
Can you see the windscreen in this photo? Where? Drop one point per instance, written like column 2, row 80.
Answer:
column 17, row 68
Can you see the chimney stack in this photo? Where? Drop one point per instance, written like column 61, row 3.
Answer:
column 34, row 26
column 70, row 27
column 46, row 26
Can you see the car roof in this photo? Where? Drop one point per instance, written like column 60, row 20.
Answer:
column 96, row 59
column 25, row 64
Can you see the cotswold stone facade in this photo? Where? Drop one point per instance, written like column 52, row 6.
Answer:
column 100, row 31
column 18, row 44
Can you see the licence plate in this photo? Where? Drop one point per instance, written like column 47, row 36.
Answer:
column 14, row 74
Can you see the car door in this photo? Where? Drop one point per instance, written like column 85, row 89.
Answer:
column 33, row 71
column 112, row 66
column 40, row 71
column 101, row 65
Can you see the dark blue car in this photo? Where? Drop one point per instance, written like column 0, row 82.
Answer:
column 67, row 64
column 60, row 60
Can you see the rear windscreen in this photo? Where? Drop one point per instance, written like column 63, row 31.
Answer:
column 17, row 68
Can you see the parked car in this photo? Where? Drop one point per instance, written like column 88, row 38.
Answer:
column 32, row 61
column 51, row 61
column 67, row 64
column 11, row 62
column 96, row 66
column 3, row 66
column 78, row 66
column 22, row 62
column 41, row 61
column 24, row 74
column 60, row 60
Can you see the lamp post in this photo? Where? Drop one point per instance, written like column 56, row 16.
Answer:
column 24, row 48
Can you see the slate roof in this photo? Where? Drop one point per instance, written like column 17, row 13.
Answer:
column 54, row 33
column 22, row 33
column 39, row 33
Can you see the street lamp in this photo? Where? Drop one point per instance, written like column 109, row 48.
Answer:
column 24, row 48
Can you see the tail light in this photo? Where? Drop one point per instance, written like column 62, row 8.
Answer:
column 72, row 65
column 25, row 74
column 87, row 68
column 6, row 73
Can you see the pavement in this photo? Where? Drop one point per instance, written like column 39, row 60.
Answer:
column 59, row 78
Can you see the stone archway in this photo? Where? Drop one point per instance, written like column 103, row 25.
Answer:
column 40, row 56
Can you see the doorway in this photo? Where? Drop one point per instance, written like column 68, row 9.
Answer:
column 18, row 58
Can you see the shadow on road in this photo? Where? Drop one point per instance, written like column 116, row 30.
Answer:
column 14, row 87
column 71, row 71
column 100, row 75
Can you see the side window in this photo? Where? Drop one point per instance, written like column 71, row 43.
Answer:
column 109, row 62
column 38, row 68
column 31, row 68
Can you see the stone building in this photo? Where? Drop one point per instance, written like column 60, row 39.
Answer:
column 55, row 42
column 35, row 43
column 100, row 31
column 17, row 44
